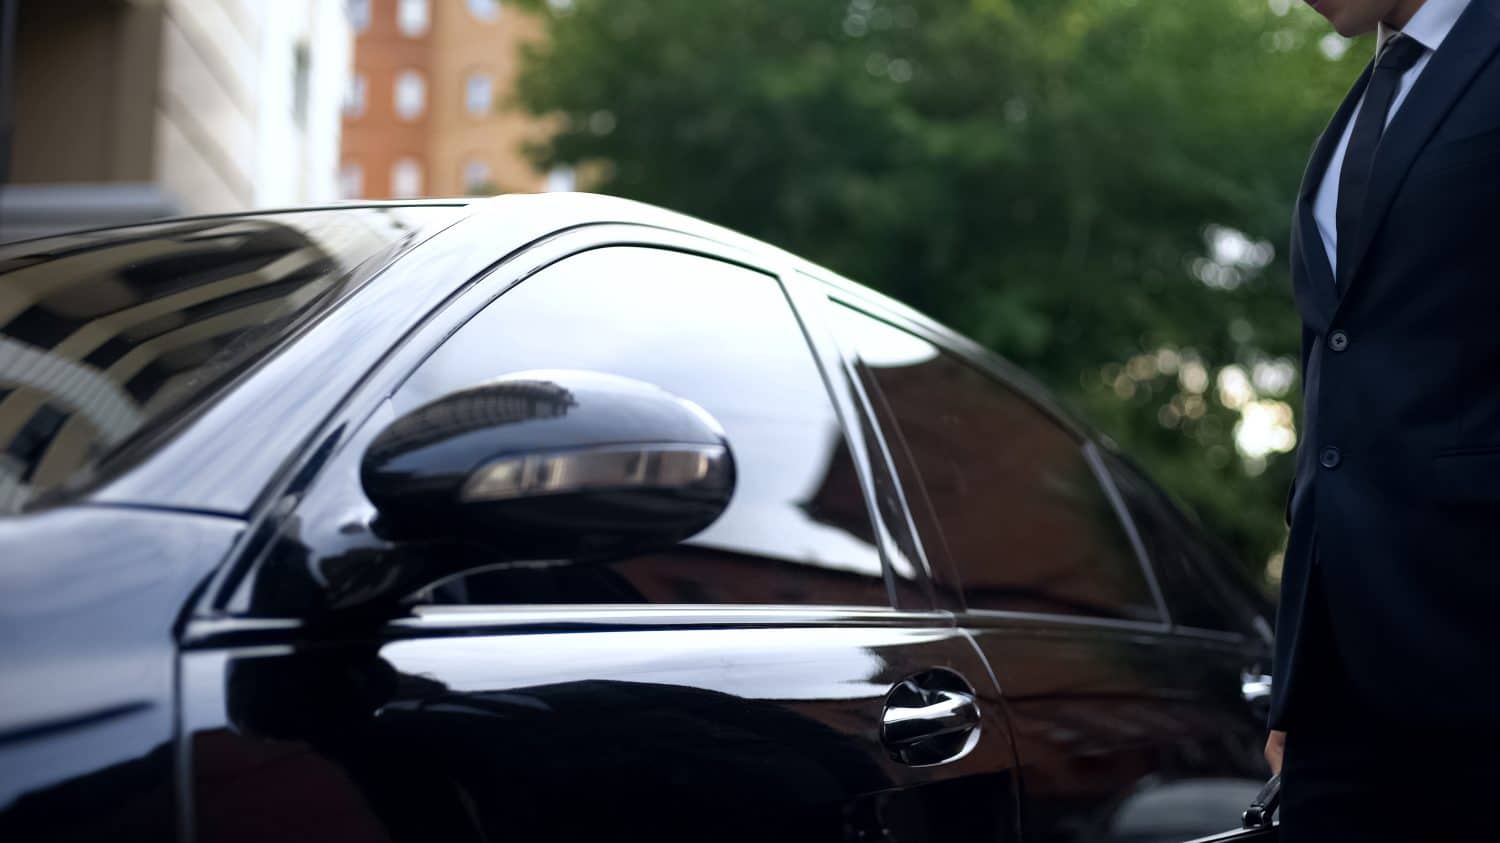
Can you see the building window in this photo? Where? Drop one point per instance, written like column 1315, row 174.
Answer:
column 562, row 180
column 485, row 10
column 406, row 179
column 351, row 181
column 359, row 14
column 354, row 96
column 477, row 177
column 411, row 94
column 412, row 17
column 479, row 93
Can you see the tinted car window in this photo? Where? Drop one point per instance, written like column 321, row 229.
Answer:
column 108, row 335
column 1018, row 509
column 797, row 531
column 1201, row 585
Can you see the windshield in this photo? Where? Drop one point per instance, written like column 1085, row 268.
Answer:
column 106, row 335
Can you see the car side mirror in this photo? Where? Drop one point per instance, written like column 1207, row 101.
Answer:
column 551, row 465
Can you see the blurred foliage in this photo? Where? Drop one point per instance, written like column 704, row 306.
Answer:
column 1078, row 184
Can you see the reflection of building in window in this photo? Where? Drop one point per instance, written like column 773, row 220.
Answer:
column 479, row 93
column 412, row 17
column 351, row 181
column 94, row 342
column 103, row 335
column 406, row 178
column 477, row 176
column 410, row 94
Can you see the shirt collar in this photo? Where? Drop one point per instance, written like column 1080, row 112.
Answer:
column 1431, row 25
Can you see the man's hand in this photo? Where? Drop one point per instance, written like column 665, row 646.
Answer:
column 1275, row 748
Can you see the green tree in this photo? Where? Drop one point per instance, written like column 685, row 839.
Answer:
column 1097, row 189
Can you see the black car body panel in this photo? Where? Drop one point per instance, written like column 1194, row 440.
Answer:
column 810, row 667
column 92, row 600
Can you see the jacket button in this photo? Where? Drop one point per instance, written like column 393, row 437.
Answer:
column 1338, row 340
column 1330, row 457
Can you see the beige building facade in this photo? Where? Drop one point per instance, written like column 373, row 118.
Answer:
column 428, row 111
column 132, row 109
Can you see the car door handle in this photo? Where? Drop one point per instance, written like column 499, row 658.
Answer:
column 941, row 713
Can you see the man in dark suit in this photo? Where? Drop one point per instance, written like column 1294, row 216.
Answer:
column 1386, row 699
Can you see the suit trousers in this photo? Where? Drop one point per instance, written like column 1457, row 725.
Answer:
column 1353, row 776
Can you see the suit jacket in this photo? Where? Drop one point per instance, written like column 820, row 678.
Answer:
column 1397, row 501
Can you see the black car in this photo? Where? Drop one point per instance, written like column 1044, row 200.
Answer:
column 566, row 518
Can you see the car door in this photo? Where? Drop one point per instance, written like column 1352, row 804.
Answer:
column 772, row 678
column 1127, row 728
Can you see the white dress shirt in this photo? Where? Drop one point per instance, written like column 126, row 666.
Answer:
column 1429, row 27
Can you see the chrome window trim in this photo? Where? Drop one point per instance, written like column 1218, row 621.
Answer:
column 667, row 614
column 855, row 413
column 432, row 621
column 488, row 619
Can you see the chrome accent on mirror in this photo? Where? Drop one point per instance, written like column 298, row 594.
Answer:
column 665, row 466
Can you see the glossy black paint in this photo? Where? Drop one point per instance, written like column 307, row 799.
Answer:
column 190, row 675
column 89, row 600
column 660, row 726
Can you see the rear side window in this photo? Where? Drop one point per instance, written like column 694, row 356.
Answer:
column 798, row 530
column 105, row 336
column 1015, row 506
column 1202, row 586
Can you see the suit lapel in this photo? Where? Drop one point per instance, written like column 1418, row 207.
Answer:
column 1318, row 289
column 1308, row 245
column 1468, row 48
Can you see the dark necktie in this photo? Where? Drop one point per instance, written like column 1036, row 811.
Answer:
column 1398, row 56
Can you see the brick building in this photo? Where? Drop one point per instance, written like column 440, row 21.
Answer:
column 425, row 114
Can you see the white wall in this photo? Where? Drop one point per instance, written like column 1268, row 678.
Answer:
column 228, row 136
column 296, row 163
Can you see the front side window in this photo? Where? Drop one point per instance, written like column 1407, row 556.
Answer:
column 106, row 337
column 1013, row 503
column 1202, row 585
column 797, row 530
